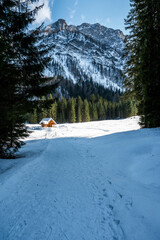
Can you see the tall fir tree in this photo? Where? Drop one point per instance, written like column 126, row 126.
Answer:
column 143, row 66
column 101, row 111
column 44, row 111
column 64, row 109
column 23, row 59
column 50, row 98
column 33, row 118
column 79, row 109
column 53, row 111
column 86, row 116
column 71, row 111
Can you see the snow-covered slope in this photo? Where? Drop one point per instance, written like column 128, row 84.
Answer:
column 88, row 51
column 84, row 181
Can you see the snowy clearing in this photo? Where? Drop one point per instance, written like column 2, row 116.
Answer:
column 83, row 181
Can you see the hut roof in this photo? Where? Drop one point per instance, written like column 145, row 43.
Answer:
column 46, row 120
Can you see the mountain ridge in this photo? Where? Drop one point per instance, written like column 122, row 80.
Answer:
column 85, row 52
column 61, row 24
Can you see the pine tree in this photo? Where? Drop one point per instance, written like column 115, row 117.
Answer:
column 50, row 98
column 53, row 111
column 79, row 109
column 59, row 112
column 109, row 110
column 86, row 116
column 93, row 108
column 94, row 112
column 63, row 110
column 44, row 110
column 23, row 59
column 33, row 118
column 105, row 108
column 71, row 111
column 121, row 109
column 113, row 109
column 143, row 67
column 101, row 111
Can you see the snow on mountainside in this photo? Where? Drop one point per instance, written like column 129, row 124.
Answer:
column 85, row 52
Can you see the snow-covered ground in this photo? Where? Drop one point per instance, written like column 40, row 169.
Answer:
column 85, row 181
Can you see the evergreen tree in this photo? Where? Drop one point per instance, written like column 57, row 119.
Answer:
column 121, row 109
column 90, row 110
column 44, row 111
column 63, row 109
column 33, row 118
column 105, row 108
column 143, row 67
column 54, row 111
column 101, row 111
column 93, row 108
column 127, row 108
column 71, row 111
column 86, row 116
column 50, row 98
column 23, row 59
column 116, row 110
column 79, row 109
column 113, row 110
column 94, row 112
column 59, row 113
column 109, row 110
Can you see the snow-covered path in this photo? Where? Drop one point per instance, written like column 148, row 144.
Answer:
column 91, row 181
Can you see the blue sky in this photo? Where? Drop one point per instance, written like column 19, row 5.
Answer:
column 110, row 13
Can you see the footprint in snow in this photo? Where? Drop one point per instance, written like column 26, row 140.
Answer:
column 120, row 195
column 117, row 222
column 129, row 204
column 109, row 182
column 104, row 193
column 111, row 207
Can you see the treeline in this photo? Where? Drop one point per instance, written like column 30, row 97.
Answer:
column 84, row 89
column 77, row 110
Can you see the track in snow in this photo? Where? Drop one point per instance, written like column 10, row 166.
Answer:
column 56, row 197
column 73, row 189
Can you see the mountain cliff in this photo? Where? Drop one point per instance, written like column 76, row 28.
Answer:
column 89, row 52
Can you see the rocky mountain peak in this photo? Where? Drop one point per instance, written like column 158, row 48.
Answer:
column 57, row 26
column 61, row 24
column 87, row 51
column 84, row 25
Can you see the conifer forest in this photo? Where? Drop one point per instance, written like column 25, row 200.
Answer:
column 73, row 110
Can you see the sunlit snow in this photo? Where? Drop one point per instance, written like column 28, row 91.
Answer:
column 83, row 181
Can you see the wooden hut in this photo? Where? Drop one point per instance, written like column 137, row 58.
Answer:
column 47, row 122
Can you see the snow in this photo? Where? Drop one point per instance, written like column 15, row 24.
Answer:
column 83, row 181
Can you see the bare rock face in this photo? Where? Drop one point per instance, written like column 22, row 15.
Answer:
column 88, row 51
column 60, row 25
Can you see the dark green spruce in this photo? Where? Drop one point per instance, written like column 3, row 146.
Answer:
column 23, row 59
column 143, row 66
